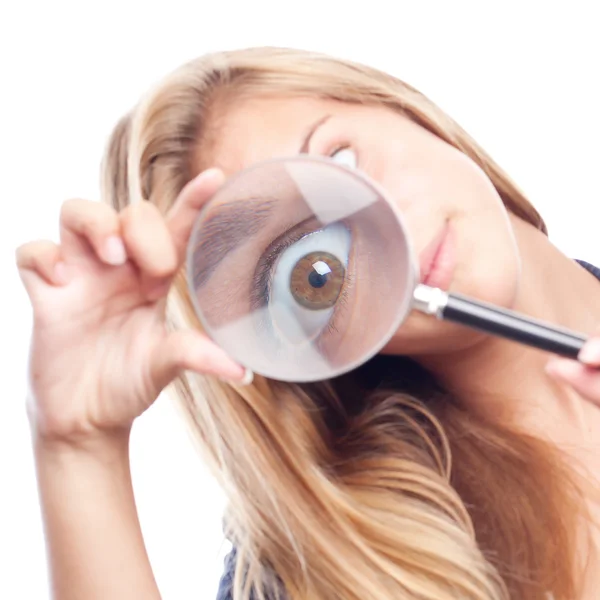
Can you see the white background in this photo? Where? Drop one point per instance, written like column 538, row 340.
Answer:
column 522, row 77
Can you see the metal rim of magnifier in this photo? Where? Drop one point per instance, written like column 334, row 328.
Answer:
column 363, row 179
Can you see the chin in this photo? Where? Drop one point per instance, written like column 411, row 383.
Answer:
column 423, row 334
column 497, row 284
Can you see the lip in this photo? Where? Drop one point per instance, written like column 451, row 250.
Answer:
column 438, row 260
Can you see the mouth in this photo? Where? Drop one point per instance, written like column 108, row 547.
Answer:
column 438, row 260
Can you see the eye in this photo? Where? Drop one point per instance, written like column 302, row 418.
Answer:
column 307, row 283
column 346, row 157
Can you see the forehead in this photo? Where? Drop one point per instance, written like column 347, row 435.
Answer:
column 257, row 129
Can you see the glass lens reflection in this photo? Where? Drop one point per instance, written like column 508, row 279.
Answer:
column 300, row 269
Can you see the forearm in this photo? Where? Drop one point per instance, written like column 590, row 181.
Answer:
column 94, row 541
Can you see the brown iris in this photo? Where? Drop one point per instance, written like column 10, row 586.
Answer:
column 317, row 280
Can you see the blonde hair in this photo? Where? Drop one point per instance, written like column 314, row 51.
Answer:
column 367, row 487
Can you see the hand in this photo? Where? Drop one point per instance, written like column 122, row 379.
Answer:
column 584, row 376
column 100, row 350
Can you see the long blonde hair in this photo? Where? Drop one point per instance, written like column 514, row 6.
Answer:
column 376, row 485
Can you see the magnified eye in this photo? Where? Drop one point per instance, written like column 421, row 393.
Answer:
column 307, row 283
column 346, row 157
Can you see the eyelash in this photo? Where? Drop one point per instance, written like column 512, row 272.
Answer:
column 338, row 147
column 261, row 291
column 340, row 305
column 336, row 143
column 262, row 278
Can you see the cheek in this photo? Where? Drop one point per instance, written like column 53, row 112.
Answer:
column 491, row 277
column 425, row 335
column 487, row 258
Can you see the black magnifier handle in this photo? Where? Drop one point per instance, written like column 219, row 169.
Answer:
column 497, row 321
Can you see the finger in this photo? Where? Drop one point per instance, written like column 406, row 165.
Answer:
column 148, row 242
column 41, row 258
column 583, row 379
column 590, row 353
column 84, row 223
column 189, row 350
column 193, row 197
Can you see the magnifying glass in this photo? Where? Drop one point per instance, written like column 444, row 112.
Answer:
column 301, row 269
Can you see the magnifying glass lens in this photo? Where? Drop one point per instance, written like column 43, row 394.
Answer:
column 300, row 269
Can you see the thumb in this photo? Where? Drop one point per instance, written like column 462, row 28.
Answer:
column 191, row 350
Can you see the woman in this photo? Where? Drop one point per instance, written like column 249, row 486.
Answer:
column 453, row 465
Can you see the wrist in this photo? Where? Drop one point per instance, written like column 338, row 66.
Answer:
column 107, row 444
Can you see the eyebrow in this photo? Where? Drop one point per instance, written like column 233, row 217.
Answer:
column 233, row 224
column 311, row 132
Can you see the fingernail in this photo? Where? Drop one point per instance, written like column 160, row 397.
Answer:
column 590, row 353
column 113, row 251
column 213, row 174
column 246, row 379
column 210, row 173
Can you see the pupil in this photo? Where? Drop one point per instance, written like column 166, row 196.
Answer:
column 316, row 279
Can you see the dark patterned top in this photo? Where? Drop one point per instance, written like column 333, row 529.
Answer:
column 226, row 585
column 591, row 268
